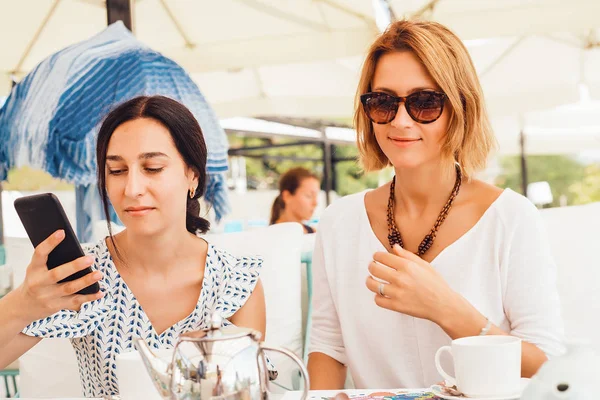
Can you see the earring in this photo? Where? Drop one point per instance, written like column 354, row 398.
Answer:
column 192, row 192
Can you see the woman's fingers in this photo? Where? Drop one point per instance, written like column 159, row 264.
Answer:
column 408, row 255
column 63, row 271
column 72, row 287
column 383, row 272
column 40, row 254
column 388, row 290
column 75, row 301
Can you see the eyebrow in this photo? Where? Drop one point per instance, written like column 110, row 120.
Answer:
column 143, row 156
column 413, row 90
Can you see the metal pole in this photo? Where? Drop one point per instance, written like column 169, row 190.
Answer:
column 327, row 170
column 334, row 180
column 119, row 10
column 524, row 177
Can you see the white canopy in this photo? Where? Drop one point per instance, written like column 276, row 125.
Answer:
column 203, row 37
column 476, row 19
column 567, row 129
column 302, row 58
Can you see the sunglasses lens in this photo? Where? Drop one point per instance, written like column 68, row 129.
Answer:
column 380, row 107
column 425, row 106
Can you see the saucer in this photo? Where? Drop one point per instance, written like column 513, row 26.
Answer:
column 438, row 391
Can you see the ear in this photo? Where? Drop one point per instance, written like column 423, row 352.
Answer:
column 192, row 176
column 286, row 196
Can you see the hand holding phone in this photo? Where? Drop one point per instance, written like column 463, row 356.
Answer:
column 42, row 293
column 42, row 215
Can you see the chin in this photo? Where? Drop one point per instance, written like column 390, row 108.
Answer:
column 143, row 229
column 401, row 162
column 308, row 217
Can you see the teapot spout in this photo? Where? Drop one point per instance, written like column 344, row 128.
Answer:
column 158, row 369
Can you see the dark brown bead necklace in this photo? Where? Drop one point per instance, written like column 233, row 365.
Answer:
column 393, row 232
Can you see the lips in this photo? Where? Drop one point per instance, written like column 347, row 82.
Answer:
column 402, row 139
column 141, row 208
column 139, row 211
column 403, row 142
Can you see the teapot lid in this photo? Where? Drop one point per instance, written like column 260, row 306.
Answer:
column 219, row 332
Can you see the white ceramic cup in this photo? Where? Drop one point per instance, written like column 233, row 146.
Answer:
column 134, row 380
column 485, row 366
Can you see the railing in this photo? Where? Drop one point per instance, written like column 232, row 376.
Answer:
column 9, row 376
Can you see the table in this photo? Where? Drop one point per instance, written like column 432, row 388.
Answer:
column 313, row 394
column 320, row 394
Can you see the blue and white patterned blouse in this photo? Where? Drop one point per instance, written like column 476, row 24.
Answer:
column 106, row 327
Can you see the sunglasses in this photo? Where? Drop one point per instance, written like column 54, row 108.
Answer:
column 423, row 107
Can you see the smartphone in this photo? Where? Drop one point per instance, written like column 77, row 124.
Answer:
column 42, row 215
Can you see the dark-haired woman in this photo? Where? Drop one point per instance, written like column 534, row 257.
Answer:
column 159, row 279
column 297, row 199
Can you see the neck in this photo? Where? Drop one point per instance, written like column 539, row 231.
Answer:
column 419, row 189
column 155, row 253
column 288, row 217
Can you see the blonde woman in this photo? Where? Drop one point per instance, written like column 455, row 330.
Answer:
column 435, row 254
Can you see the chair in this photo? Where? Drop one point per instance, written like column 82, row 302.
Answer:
column 280, row 246
column 573, row 234
column 9, row 380
column 308, row 244
column 50, row 368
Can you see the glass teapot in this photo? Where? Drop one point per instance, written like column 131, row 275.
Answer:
column 225, row 363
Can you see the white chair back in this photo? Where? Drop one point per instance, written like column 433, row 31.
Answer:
column 280, row 246
column 573, row 233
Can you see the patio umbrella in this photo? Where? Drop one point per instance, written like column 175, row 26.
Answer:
column 201, row 36
column 51, row 118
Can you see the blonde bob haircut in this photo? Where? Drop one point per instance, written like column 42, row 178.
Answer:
column 469, row 138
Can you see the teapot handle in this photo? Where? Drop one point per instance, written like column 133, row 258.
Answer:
column 297, row 360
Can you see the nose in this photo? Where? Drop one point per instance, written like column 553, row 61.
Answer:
column 135, row 186
column 402, row 119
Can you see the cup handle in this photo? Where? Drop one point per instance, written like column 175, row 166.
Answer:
column 450, row 380
column 295, row 358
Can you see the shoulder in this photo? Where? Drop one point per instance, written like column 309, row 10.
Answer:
column 101, row 254
column 339, row 210
column 235, row 278
column 221, row 259
column 516, row 209
column 509, row 207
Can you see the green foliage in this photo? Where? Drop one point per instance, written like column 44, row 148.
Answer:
column 264, row 173
column 349, row 175
column 30, row 179
column 588, row 189
column 561, row 172
column 567, row 176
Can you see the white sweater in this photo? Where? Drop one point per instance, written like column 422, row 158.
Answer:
column 502, row 266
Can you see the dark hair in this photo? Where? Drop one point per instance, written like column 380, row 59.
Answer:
column 186, row 134
column 289, row 181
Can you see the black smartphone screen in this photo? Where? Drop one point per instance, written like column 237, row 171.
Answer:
column 42, row 215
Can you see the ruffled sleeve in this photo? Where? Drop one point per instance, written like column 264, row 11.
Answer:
column 70, row 324
column 238, row 280
column 76, row 324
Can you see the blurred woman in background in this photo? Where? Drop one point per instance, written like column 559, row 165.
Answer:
column 298, row 192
